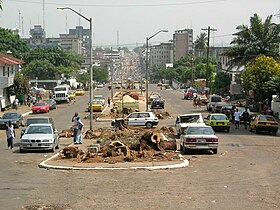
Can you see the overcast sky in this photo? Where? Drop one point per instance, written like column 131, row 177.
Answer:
column 137, row 19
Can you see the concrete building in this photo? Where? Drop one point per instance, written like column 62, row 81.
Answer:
column 84, row 35
column 161, row 54
column 9, row 66
column 71, row 42
column 37, row 36
column 183, row 43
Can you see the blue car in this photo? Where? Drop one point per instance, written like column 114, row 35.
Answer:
column 16, row 119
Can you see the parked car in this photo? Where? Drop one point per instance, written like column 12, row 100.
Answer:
column 218, row 121
column 40, row 107
column 218, row 107
column 184, row 120
column 16, row 119
column 80, row 92
column 100, row 85
column 188, row 94
column 147, row 119
column 203, row 98
column 199, row 137
column 264, row 123
column 97, row 106
column 213, row 100
column 72, row 95
column 157, row 103
column 51, row 102
column 39, row 137
column 227, row 109
column 99, row 98
column 36, row 120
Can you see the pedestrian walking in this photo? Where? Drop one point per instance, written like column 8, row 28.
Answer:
column 16, row 101
column 237, row 118
column 75, row 126
column 79, row 132
column 10, row 132
column 109, row 101
column 246, row 117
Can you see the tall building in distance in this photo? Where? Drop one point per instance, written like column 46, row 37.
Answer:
column 161, row 54
column 183, row 43
column 84, row 35
column 37, row 36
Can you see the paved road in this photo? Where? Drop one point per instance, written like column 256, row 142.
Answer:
column 243, row 175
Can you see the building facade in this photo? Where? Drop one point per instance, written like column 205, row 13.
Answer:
column 161, row 54
column 183, row 43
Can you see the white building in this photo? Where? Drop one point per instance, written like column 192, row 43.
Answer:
column 161, row 54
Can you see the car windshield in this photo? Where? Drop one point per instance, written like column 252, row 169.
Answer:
column 98, row 97
column 40, row 104
column 47, row 101
column 10, row 116
column 216, row 99
column 219, row 117
column 266, row 118
column 199, row 130
column 39, row 130
column 36, row 121
column 60, row 89
column 189, row 119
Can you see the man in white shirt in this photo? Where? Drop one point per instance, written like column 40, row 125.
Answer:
column 237, row 118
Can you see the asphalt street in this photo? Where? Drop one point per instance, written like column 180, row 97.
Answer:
column 243, row 175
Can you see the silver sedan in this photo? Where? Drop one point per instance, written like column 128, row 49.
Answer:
column 39, row 137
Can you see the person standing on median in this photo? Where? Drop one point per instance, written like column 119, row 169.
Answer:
column 80, row 126
column 10, row 132
column 237, row 118
column 75, row 126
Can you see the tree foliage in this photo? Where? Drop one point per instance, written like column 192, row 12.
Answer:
column 100, row 74
column 260, row 38
column 221, row 83
column 200, row 43
column 272, row 86
column 257, row 72
column 41, row 69
column 20, row 86
column 12, row 43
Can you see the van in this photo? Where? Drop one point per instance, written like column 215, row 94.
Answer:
column 213, row 100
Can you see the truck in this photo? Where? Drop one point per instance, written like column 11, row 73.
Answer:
column 184, row 120
column 213, row 101
column 62, row 93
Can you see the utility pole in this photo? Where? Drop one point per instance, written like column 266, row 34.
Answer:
column 112, row 72
column 207, row 56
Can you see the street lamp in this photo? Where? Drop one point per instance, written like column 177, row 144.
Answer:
column 90, row 55
column 147, row 64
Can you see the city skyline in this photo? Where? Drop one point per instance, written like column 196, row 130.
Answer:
column 130, row 22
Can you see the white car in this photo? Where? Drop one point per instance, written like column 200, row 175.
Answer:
column 199, row 137
column 39, row 137
column 99, row 98
column 147, row 119
column 184, row 120
column 99, row 85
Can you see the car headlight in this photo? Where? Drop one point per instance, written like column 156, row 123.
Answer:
column 24, row 140
column 47, row 140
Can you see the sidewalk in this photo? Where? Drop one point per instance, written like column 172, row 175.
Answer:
column 23, row 109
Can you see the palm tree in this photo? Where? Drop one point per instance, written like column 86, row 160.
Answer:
column 257, row 39
column 200, row 43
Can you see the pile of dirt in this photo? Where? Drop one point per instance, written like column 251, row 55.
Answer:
column 160, row 114
column 131, row 144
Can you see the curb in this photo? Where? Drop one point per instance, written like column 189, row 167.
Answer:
column 184, row 164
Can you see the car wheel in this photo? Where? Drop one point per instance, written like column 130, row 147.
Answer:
column 21, row 150
column 274, row 133
column 149, row 125
column 53, row 148
column 228, row 130
column 57, row 146
column 256, row 131
column 215, row 151
column 184, row 150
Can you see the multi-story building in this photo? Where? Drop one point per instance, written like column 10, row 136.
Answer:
column 161, row 54
column 84, row 35
column 183, row 43
column 71, row 42
column 9, row 66
column 37, row 36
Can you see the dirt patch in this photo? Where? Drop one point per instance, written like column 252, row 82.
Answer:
column 46, row 207
column 132, row 144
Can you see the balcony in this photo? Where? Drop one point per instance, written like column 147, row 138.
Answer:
column 6, row 82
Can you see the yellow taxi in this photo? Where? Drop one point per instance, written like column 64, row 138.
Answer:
column 266, row 123
column 96, row 106
column 72, row 95
column 218, row 121
column 80, row 92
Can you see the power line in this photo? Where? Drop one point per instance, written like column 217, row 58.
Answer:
column 125, row 5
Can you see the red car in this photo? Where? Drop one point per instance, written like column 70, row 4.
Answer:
column 40, row 107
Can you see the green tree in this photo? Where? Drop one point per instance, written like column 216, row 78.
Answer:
column 12, row 43
column 20, row 86
column 42, row 69
column 83, row 78
column 272, row 86
column 200, row 44
column 221, row 83
column 100, row 74
column 257, row 72
column 255, row 40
